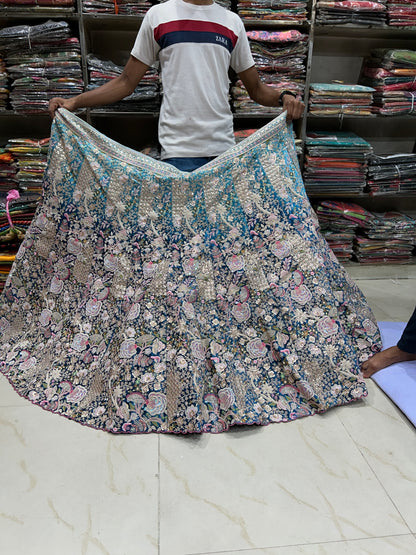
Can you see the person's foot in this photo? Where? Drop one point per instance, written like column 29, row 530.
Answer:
column 385, row 358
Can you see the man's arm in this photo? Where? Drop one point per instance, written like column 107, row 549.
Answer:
column 267, row 96
column 111, row 92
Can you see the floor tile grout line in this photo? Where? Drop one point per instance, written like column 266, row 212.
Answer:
column 251, row 549
column 376, row 475
column 158, row 495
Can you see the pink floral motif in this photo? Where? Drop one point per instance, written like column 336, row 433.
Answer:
column 301, row 294
column 256, row 348
column 93, row 307
column 280, row 249
column 110, row 263
column 77, row 394
column 369, row 327
column 198, row 350
column 305, row 389
column 74, row 246
column 45, row 317
column 156, row 403
column 80, row 342
column 327, row 326
column 226, row 397
column 134, row 311
column 235, row 263
column 128, row 348
column 241, row 312
column 56, row 285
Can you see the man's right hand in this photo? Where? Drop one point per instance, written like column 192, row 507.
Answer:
column 58, row 102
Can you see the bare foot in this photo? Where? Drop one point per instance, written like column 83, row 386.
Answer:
column 385, row 358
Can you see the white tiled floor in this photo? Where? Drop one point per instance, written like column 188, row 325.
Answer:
column 340, row 483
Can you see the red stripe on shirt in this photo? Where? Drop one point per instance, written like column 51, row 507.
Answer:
column 192, row 25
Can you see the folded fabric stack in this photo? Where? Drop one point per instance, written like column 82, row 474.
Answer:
column 401, row 13
column 335, row 163
column 31, row 159
column 339, row 231
column 281, row 10
column 43, row 61
column 8, row 171
column 280, row 60
column 38, row 5
column 358, row 12
column 387, row 238
column 4, row 90
column 392, row 173
column 329, row 99
column 392, row 73
column 21, row 211
column 126, row 7
column 145, row 98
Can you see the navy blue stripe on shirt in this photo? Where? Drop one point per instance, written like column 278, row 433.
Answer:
column 176, row 37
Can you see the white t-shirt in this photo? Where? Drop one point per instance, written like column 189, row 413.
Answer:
column 195, row 46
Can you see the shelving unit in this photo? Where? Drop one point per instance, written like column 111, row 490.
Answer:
column 334, row 53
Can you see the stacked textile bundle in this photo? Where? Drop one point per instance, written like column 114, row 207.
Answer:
column 392, row 173
column 280, row 60
column 401, row 13
column 328, row 99
column 31, row 160
column 335, row 163
column 126, row 7
column 43, row 61
column 145, row 98
column 358, row 12
column 8, row 171
column 39, row 5
column 4, row 91
column 337, row 230
column 386, row 238
column 9, row 238
column 392, row 73
column 281, row 10
column 379, row 238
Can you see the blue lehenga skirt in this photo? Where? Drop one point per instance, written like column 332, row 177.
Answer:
column 145, row 299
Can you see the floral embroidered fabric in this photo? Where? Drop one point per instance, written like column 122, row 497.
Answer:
column 147, row 299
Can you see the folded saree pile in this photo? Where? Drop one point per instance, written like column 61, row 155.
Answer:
column 392, row 173
column 358, row 12
column 388, row 238
column 146, row 299
column 335, row 163
column 401, row 13
column 126, row 7
column 392, row 73
column 38, row 5
column 43, row 61
column 280, row 60
column 31, row 159
column 294, row 11
column 243, row 104
column 146, row 96
column 8, row 172
column 337, row 228
column 329, row 99
column 4, row 89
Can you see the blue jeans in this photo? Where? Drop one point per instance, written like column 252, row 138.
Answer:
column 188, row 164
